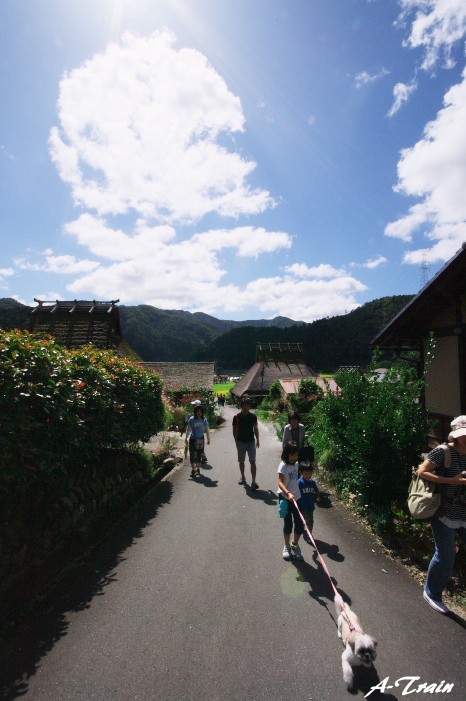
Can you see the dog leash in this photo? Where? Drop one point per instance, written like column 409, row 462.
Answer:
column 322, row 562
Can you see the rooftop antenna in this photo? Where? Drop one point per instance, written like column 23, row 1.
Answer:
column 424, row 270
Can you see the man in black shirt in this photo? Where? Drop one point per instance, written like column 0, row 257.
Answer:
column 246, row 435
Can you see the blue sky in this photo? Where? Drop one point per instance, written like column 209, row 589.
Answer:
column 245, row 158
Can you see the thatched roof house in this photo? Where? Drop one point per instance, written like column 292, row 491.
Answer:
column 79, row 323
column 190, row 375
column 274, row 361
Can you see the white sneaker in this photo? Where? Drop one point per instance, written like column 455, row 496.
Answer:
column 287, row 552
column 437, row 605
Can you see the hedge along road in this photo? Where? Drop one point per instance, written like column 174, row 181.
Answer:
column 191, row 600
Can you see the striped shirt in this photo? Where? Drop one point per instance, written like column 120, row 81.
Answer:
column 455, row 513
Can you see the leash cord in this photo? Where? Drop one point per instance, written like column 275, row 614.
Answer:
column 338, row 595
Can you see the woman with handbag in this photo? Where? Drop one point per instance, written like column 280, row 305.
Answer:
column 196, row 426
column 452, row 520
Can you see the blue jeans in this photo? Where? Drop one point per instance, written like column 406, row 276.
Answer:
column 441, row 565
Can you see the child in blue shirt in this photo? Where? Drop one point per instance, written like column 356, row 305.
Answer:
column 309, row 494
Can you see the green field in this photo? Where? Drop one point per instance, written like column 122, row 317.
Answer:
column 223, row 387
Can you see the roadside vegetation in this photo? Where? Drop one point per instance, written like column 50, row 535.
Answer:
column 367, row 440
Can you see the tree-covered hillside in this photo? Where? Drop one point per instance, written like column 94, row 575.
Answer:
column 344, row 340
column 328, row 343
column 13, row 314
column 235, row 351
column 163, row 335
column 176, row 335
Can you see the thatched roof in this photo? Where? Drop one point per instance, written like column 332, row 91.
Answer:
column 78, row 323
column 258, row 379
column 184, row 374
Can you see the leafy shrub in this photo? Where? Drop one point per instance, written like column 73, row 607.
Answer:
column 182, row 397
column 60, row 407
column 370, row 437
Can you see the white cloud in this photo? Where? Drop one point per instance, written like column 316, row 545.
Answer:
column 434, row 169
column 438, row 25
column 371, row 263
column 401, row 93
column 320, row 271
column 139, row 129
column 6, row 272
column 61, row 264
column 364, row 78
column 139, row 138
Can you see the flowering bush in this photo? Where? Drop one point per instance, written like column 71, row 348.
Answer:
column 59, row 407
column 179, row 401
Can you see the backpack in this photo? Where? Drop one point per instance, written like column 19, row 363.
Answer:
column 424, row 497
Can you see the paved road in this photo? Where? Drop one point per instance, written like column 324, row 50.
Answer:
column 191, row 601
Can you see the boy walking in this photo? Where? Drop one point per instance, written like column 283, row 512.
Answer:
column 309, row 494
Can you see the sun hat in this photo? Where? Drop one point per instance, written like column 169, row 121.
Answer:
column 196, row 402
column 458, row 427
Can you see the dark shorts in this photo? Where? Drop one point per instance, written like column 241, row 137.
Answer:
column 195, row 453
column 248, row 447
column 309, row 518
column 291, row 516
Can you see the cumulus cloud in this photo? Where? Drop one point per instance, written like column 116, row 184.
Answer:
column 371, row 263
column 5, row 272
column 138, row 143
column 320, row 271
column 401, row 94
column 139, row 128
column 434, row 169
column 60, row 264
column 364, row 78
column 437, row 26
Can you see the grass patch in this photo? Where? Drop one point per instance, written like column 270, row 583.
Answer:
column 223, row 387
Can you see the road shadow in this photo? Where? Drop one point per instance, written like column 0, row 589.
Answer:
column 22, row 649
column 205, row 480
column 320, row 586
column 267, row 496
column 325, row 501
column 331, row 550
column 365, row 680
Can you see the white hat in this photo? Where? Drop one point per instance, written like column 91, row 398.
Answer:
column 196, row 402
column 458, row 427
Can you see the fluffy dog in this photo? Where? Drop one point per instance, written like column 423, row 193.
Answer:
column 360, row 649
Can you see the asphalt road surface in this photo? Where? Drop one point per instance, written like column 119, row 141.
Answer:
column 190, row 600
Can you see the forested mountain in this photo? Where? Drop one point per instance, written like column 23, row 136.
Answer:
column 223, row 325
column 176, row 335
column 328, row 343
column 344, row 340
column 13, row 314
column 155, row 334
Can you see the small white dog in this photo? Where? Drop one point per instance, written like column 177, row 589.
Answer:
column 360, row 649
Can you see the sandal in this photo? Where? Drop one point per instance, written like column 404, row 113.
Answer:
column 197, row 472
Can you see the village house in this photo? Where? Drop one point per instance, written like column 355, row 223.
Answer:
column 274, row 361
column 78, row 323
column 439, row 309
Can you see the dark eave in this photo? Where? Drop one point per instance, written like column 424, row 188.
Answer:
column 410, row 326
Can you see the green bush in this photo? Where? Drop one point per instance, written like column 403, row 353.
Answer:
column 370, row 436
column 59, row 407
column 179, row 401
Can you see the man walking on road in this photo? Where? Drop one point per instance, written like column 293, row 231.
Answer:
column 246, row 435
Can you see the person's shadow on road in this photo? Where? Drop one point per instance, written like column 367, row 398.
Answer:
column 267, row 496
column 206, row 481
